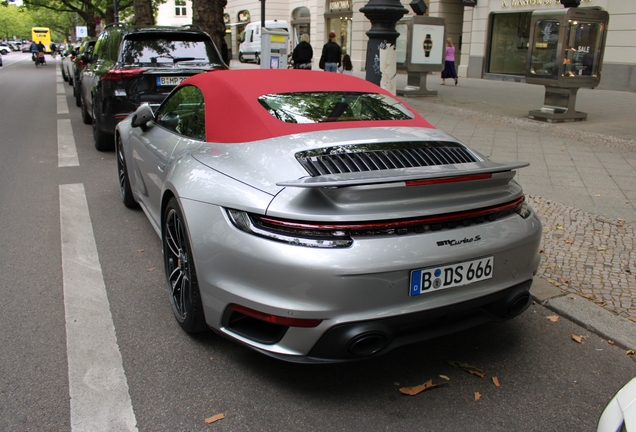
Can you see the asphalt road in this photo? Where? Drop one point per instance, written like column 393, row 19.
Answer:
column 175, row 381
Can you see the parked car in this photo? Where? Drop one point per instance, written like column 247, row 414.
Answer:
column 132, row 65
column 26, row 46
column 314, row 217
column 0, row 60
column 68, row 56
column 620, row 413
column 77, row 66
column 5, row 49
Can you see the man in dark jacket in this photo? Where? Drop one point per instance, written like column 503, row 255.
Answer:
column 331, row 55
column 303, row 53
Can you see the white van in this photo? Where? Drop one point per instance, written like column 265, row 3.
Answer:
column 250, row 39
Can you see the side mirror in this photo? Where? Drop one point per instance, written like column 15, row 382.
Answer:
column 142, row 116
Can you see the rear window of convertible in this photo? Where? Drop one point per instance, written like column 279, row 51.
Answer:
column 319, row 107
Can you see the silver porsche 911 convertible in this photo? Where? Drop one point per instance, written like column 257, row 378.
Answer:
column 314, row 217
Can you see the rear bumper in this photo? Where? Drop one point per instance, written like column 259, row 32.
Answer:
column 371, row 338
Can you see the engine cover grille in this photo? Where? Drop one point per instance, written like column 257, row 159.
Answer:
column 382, row 156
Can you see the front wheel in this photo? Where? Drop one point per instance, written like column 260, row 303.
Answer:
column 181, row 276
column 124, row 182
column 241, row 58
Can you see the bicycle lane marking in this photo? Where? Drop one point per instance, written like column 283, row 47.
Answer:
column 98, row 388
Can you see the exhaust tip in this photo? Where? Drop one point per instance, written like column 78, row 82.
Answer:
column 518, row 304
column 367, row 344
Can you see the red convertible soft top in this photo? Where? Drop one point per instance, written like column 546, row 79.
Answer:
column 233, row 113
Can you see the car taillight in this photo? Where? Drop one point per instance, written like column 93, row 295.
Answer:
column 81, row 63
column 72, row 57
column 122, row 74
column 274, row 319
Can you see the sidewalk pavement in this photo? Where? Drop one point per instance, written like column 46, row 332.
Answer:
column 581, row 181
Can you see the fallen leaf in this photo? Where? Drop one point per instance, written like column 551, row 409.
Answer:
column 559, row 227
column 150, row 269
column 597, row 195
column 412, row 391
column 495, row 380
column 630, row 352
column 632, row 319
column 477, row 396
column 444, row 377
column 468, row 368
column 553, row 318
column 564, row 280
column 576, row 338
column 214, row 418
column 611, row 342
column 601, row 248
column 140, row 250
column 573, row 297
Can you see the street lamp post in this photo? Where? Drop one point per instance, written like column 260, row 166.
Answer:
column 383, row 14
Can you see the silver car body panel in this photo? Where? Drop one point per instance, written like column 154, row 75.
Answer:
column 369, row 280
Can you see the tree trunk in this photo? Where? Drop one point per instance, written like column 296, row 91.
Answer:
column 208, row 14
column 143, row 13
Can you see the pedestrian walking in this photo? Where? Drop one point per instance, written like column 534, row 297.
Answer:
column 449, row 62
column 303, row 53
column 331, row 54
column 346, row 67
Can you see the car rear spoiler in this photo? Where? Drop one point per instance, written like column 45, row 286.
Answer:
column 401, row 175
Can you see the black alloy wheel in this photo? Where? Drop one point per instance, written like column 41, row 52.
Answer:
column 124, row 182
column 181, row 275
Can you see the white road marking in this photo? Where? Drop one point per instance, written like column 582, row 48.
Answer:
column 60, row 88
column 62, row 106
column 66, row 150
column 100, row 400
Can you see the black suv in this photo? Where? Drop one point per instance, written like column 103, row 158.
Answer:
column 132, row 65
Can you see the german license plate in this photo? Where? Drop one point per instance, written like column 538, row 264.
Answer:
column 170, row 80
column 449, row 276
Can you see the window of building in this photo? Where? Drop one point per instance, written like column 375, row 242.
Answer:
column 180, row 8
column 509, row 38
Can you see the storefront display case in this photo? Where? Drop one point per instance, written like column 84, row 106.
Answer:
column 565, row 54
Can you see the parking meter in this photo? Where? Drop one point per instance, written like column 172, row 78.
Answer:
column 274, row 49
column 565, row 54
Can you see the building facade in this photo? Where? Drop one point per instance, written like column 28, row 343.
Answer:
column 491, row 38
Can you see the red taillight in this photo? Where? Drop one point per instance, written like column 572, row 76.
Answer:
column 72, row 57
column 283, row 321
column 482, row 212
column 122, row 74
column 448, row 180
column 81, row 63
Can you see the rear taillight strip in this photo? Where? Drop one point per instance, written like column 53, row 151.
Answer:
column 448, row 180
column 483, row 212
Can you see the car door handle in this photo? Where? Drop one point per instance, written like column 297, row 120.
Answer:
column 161, row 166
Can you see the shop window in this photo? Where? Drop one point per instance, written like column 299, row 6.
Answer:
column 509, row 38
